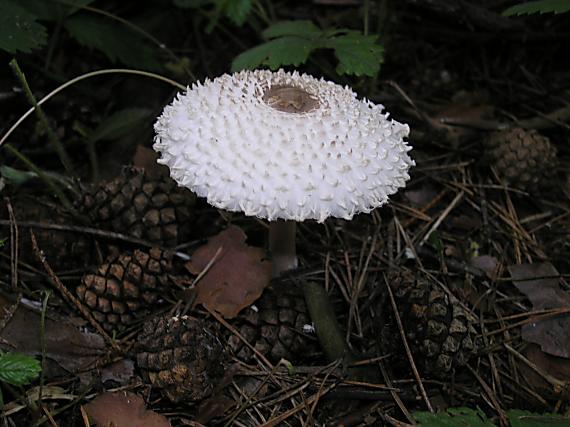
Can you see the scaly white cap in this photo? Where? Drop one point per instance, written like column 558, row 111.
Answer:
column 283, row 145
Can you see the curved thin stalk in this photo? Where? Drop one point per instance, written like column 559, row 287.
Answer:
column 84, row 77
column 132, row 27
column 52, row 137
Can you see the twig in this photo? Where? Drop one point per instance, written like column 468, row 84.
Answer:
column 491, row 394
column 442, row 216
column 234, row 331
column 84, row 77
column 53, row 139
column 407, row 347
column 14, row 242
column 70, row 298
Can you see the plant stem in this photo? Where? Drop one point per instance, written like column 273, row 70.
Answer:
column 326, row 325
column 282, row 246
column 84, row 77
column 44, row 177
column 53, row 139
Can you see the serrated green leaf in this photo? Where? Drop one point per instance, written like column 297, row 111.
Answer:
column 237, row 10
column 539, row 6
column 519, row 418
column 15, row 176
column 119, row 124
column 293, row 28
column 116, row 41
column 18, row 369
column 19, row 29
column 453, row 417
column 275, row 53
column 357, row 54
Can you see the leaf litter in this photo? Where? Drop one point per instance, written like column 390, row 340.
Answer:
column 232, row 274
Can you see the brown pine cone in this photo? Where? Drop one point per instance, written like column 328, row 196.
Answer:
column 181, row 356
column 438, row 329
column 143, row 206
column 275, row 325
column 124, row 287
column 523, row 158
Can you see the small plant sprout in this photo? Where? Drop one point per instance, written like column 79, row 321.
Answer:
column 283, row 146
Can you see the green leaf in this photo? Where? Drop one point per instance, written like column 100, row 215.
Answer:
column 18, row 369
column 237, row 10
column 293, row 28
column 520, row 418
column 453, row 417
column 117, row 42
column 52, row 10
column 357, row 54
column 119, row 124
column 540, row 6
column 19, row 30
column 289, row 50
column 16, row 177
column 293, row 41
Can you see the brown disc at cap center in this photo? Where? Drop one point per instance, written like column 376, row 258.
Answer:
column 290, row 99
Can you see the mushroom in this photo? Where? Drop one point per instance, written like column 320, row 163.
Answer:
column 285, row 147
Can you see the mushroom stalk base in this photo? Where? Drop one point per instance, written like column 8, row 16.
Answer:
column 282, row 246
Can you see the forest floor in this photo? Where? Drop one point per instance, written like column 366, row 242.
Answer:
column 452, row 298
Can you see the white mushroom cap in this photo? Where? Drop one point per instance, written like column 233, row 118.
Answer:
column 283, row 145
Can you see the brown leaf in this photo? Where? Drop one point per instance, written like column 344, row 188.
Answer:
column 237, row 276
column 67, row 348
column 556, row 367
column 213, row 407
column 123, row 410
column 489, row 264
column 539, row 282
column 145, row 158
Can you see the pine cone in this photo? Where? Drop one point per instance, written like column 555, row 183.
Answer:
column 149, row 208
column 125, row 286
column 181, row 356
column 523, row 158
column 438, row 329
column 275, row 327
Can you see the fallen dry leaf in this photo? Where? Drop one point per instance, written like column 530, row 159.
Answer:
column 556, row 367
column 145, row 158
column 236, row 277
column 123, row 410
column 539, row 282
column 489, row 264
column 67, row 348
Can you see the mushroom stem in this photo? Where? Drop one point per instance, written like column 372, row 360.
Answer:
column 282, row 246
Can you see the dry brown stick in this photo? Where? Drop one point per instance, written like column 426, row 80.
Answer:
column 491, row 394
column 309, row 401
column 422, row 211
column 407, row 347
column 547, row 314
column 520, row 233
column 442, row 216
column 538, row 313
column 69, row 297
column 14, row 241
column 78, row 229
column 234, row 331
column 557, row 385
column 395, row 395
